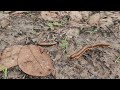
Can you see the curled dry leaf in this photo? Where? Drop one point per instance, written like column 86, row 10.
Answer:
column 32, row 59
column 94, row 19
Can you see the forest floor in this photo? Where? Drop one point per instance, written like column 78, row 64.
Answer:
column 72, row 30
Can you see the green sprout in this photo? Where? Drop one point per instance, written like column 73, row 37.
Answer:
column 57, row 24
column 50, row 25
column 4, row 70
column 53, row 24
column 118, row 59
column 64, row 44
column 60, row 23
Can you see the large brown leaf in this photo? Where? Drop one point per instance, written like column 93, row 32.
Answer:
column 32, row 59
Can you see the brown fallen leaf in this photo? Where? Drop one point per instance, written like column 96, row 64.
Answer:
column 9, row 56
column 32, row 59
column 81, row 52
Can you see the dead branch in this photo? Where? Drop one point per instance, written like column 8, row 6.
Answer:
column 47, row 44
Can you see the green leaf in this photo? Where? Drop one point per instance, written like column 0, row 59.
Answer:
column 57, row 24
column 118, row 59
column 63, row 44
column 4, row 70
column 50, row 25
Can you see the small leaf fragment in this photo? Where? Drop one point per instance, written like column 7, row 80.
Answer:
column 10, row 55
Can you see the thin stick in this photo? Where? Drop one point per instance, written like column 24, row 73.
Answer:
column 47, row 44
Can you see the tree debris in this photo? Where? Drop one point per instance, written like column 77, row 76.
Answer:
column 32, row 59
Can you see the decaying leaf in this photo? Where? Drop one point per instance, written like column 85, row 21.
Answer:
column 32, row 59
column 9, row 56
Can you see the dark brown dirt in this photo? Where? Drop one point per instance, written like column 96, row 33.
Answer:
column 72, row 30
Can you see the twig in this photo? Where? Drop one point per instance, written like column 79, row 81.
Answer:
column 17, row 12
column 47, row 44
column 81, row 52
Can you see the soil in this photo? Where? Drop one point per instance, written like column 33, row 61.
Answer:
column 71, row 30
